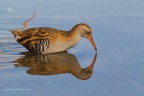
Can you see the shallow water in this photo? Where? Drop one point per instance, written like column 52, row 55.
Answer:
column 119, row 67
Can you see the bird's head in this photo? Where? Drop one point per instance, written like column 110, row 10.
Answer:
column 84, row 30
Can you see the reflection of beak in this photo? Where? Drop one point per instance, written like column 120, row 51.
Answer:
column 93, row 62
column 92, row 42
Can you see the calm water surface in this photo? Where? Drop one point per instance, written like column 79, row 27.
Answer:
column 116, row 70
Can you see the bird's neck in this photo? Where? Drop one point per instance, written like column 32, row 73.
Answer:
column 74, row 38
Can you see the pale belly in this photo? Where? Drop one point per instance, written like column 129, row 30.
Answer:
column 59, row 47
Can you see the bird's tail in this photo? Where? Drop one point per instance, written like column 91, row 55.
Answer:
column 16, row 33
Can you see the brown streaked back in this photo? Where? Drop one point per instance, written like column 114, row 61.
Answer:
column 31, row 36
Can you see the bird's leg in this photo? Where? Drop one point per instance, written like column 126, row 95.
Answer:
column 41, row 46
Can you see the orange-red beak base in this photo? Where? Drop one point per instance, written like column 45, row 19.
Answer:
column 92, row 42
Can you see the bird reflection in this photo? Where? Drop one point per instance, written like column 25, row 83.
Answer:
column 57, row 63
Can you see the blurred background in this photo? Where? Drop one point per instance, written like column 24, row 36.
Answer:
column 118, row 31
column 72, row 8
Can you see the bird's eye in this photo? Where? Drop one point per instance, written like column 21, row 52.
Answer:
column 88, row 33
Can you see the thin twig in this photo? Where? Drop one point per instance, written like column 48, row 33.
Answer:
column 25, row 23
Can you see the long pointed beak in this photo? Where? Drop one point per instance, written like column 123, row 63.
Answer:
column 92, row 42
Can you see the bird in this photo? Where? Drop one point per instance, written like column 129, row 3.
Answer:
column 43, row 40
